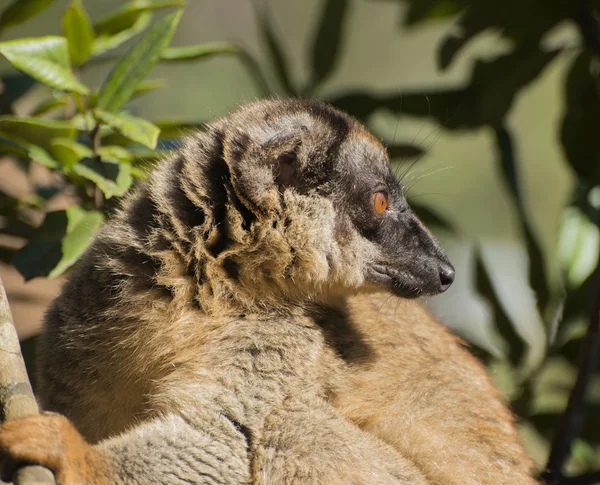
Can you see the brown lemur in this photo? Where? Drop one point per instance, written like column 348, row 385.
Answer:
column 223, row 328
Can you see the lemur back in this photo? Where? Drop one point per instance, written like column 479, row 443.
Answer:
column 210, row 334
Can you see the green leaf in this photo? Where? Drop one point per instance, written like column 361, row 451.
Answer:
column 106, row 41
column 326, row 45
column 199, row 51
column 126, row 22
column 169, row 130
column 68, row 152
column 114, row 152
column 58, row 243
column 136, row 64
column 431, row 9
column 26, row 150
column 38, row 131
column 21, row 10
column 84, row 121
column 41, row 156
column 50, row 104
column 78, row 31
column 578, row 246
column 143, row 88
column 176, row 129
column 136, row 129
column 112, row 177
column 147, row 86
column 275, row 51
column 46, row 59
column 537, row 269
column 126, row 16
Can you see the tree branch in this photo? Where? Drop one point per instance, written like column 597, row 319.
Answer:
column 16, row 396
column 572, row 418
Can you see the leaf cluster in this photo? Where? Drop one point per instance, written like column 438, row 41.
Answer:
column 91, row 147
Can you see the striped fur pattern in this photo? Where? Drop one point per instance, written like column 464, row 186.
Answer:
column 210, row 334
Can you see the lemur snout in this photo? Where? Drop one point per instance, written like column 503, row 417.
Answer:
column 446, row 276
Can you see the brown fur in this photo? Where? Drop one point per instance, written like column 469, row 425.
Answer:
column 208, row 335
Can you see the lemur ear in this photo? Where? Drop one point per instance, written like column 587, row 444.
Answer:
column 284, row 169
column 265, row 169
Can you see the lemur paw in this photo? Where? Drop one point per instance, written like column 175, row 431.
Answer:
column 50, row 440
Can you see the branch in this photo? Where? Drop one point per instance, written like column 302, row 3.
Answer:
column 572, row 418
column 16, row 396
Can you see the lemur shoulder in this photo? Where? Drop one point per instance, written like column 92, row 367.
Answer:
column 228, row 326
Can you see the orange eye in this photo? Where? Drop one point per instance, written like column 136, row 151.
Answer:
column 380, row 202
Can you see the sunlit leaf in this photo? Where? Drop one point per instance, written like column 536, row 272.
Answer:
column 431, row 9
column 136, row 64
column 128, row 14
column 46, row 59
column 144, row 87
column 68, row 152
column 107, row 40
column 38, row 131
column 147, row 86
column 129, row 20
column 58, row 242
column 112, row 177
column 175, row 129
column 198, row 51
column 136, row 129
column 50, row 104
column 113, row 152
column 21, row 10
column 77, row 29
column 578, row 246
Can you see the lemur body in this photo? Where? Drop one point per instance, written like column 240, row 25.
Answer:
column 210, row 335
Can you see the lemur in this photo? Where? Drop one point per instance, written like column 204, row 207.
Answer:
column 249, row 317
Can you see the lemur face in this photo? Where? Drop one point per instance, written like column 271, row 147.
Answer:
column 344, row 208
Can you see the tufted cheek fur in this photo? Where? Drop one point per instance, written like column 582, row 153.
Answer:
column 299, row 251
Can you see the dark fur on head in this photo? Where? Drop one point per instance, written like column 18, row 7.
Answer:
column 276, row 197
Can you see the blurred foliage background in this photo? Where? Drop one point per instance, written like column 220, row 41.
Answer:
column 491, row 108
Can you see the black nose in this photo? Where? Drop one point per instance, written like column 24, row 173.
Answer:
column 446, row 277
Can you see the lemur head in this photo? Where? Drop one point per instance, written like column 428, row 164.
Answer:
column 299, row 198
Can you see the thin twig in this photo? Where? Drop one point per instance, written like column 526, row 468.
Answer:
column 16, row 396
column 95, row 138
